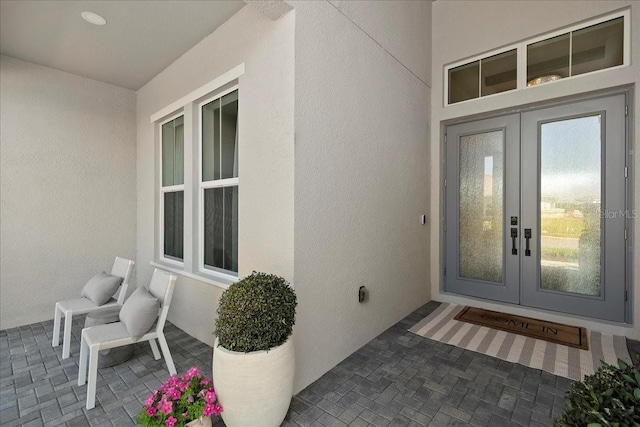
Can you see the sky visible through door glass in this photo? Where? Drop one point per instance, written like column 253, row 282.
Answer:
column 571, row 159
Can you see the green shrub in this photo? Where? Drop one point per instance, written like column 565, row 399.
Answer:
column 609, row 397
column 256, row 313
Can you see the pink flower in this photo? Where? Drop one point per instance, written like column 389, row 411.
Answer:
column 151, row 411
column 165, row 407
column 210, row 397
column 171, row 421
column 205, row 381
column 190, row 399
column 149, row 402
column 217, row 409
column 208, row 410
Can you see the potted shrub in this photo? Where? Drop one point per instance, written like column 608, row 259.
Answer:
column 189, row 400
column 253, row 356
column 609, row 397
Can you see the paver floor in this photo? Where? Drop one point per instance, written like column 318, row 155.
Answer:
column 397, row 379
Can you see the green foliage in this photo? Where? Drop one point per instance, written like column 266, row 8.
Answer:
column 609, row 397
column 256, row 313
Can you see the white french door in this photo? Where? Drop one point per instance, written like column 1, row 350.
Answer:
column 529, row 198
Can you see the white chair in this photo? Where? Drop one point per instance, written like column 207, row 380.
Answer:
column 121, row 268
column 103, row 337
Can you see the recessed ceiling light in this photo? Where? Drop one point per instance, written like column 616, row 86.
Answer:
column 93, row 18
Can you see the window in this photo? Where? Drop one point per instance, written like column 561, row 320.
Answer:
column 172, row 189
column 197, row 199
column 599, row 44
column 219, row 183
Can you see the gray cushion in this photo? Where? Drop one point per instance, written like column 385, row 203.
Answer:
column 101, row 288
column 139, row 313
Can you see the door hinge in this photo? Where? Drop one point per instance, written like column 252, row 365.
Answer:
column 445, row 226
column 445, row 138
column 626, row 293
column 626, row 172
column 445, row 273
column 625, row 234
column 445, row 183
column 626, row 110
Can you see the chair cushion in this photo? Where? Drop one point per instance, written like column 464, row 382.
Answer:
column 101, row 288
column 139, row 313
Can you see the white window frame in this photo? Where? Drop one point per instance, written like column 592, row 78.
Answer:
column 192, row 265
column 216, row 183
column 521, row 52
column 169, row 189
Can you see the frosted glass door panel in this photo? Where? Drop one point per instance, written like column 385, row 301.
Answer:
column 481, row 206
column 570, row 196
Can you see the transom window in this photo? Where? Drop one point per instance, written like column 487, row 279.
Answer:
column 596, row 45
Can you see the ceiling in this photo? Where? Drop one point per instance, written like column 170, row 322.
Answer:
column 141, row 38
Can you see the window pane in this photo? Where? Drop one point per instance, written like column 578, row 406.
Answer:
column 210, row 140
column 221, row 228
column 499, row 73
column 464, row 82
column 219, row 138
column 173, row 152
column 570, row 192
column 548, row 60
column 481, row 206
column 229, row 144
column 173, row 224
column 597, row 47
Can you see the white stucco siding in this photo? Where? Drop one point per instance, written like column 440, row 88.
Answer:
column 361, row 179
column 67, row 167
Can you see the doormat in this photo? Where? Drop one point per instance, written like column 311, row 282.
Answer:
column 562, row 360
column 573, row 336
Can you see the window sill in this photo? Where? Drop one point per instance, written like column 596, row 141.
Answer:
column 222, row 282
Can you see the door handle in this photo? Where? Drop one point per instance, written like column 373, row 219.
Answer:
column 527, row 237
column 514, row 236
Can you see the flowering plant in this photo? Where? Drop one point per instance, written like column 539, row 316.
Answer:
column 179, row 401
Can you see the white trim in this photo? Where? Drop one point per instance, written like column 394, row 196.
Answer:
column 178, row 113
column 521, row 52
column 218, row 183
column 213, row 85
column 219, row 280
column 172, row 188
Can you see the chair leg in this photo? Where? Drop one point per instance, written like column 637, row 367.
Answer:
column 66, row 343
column 166, row 354
column 154, row 349
column 82, row 370
column 93, row 376
column 56, row 327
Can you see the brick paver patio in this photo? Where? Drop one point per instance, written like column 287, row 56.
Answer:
column 397, row 379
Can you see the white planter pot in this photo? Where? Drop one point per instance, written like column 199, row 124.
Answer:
column 254, row 389
column 202, row 422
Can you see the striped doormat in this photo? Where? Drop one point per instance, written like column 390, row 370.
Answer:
column 557, row 359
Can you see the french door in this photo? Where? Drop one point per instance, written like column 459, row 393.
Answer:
column 535, row 208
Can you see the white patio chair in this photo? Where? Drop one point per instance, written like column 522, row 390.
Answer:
column 122, row 268
column 112, row 335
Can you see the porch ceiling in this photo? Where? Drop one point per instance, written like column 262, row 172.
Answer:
column 140, row 39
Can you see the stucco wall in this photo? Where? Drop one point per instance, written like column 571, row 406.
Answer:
column 467, row 28
column 67, row 167
column 266, row 147
column 361, row 175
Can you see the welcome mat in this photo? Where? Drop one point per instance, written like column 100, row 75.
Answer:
column 562, row 360
column 573, row 336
